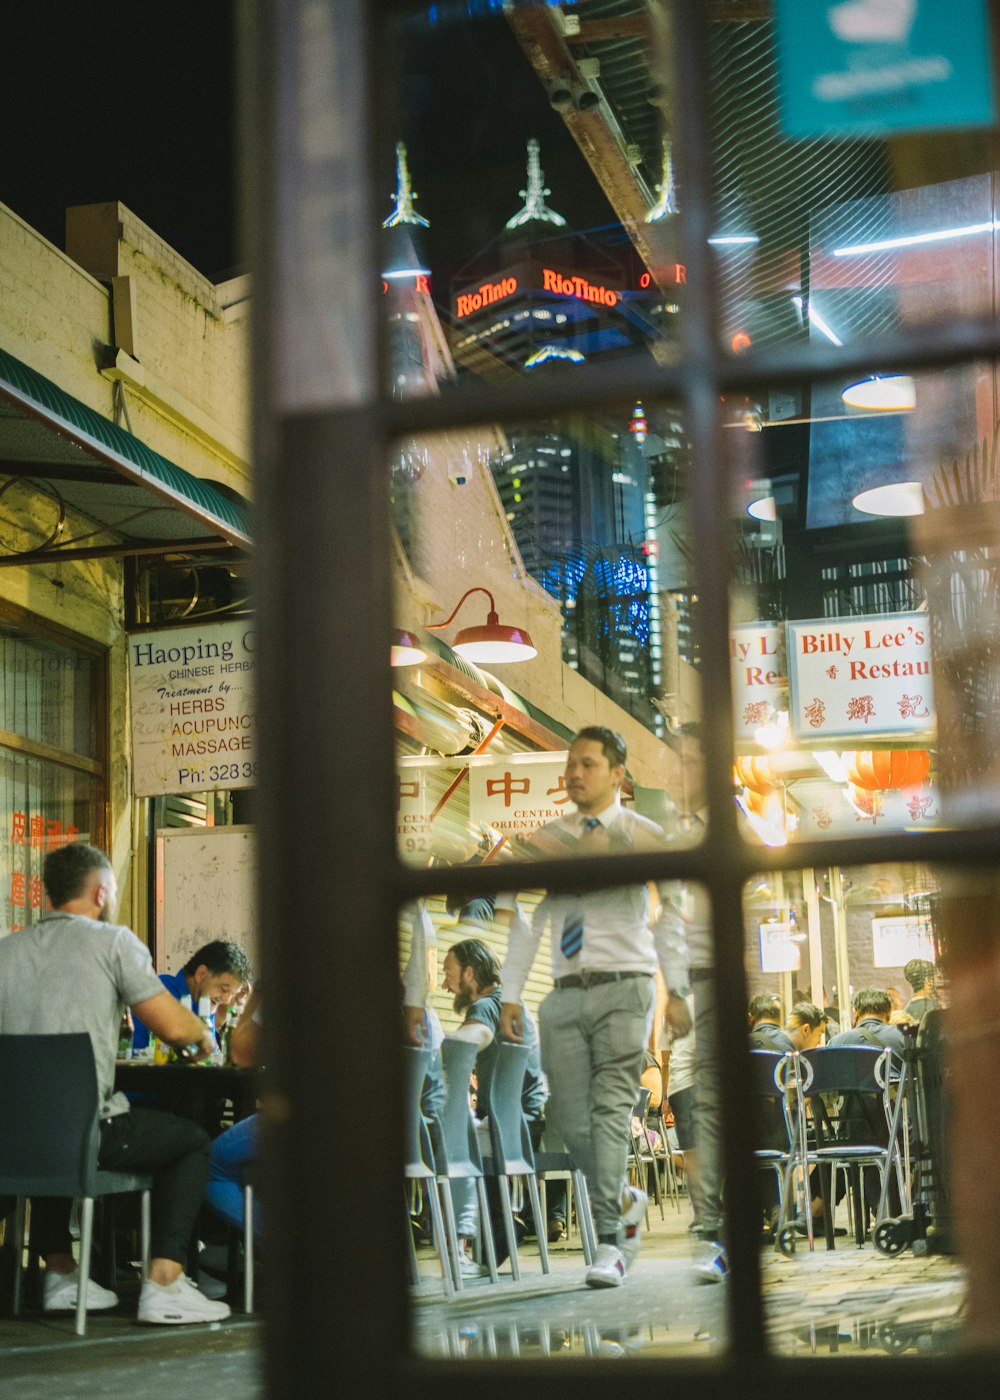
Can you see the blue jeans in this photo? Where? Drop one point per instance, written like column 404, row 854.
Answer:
column 231, row 1151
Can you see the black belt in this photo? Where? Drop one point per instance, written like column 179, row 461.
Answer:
column 595, row 979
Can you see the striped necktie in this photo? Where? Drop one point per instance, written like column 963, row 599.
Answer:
column 572, row 935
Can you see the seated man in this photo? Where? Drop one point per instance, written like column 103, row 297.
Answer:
column 75, row 971
column 920, row 974
column 472, row 975
column 765, row 1024
column 806, row 1025
column 872, row 1009
column 218, row 971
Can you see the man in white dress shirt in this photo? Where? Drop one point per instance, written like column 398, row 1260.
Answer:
column 595, row 1023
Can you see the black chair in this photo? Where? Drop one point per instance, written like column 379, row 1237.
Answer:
column 847, row 1091
column 49, row 1141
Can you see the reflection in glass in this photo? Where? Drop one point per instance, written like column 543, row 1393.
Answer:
column 850, row 960
column 545, row 233
column 547, row 1067
column 567, row 543
column 864, row 612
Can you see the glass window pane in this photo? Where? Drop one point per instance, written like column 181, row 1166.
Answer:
column 544, row 587
column 610, row 1084
column 42, row 806
column 843, row 963
column 864, row 607
column 48, row 693
column 532, row 228
column 832, row 235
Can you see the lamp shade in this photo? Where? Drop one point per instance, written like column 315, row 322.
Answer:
column 406, row 649
column 888, row 393
column 494, row 643
column 491, row 644
column 894, row 498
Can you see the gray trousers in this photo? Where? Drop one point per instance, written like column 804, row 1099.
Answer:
column 708, row 1106
column 592, row 1044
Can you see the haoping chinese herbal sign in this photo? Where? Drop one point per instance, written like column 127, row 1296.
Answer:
column 756, row 650
column 517, row 794
column 854, row 678
column 193, row 713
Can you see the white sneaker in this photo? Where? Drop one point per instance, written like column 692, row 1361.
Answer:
column 178, row 1302
column 608, row 1268
column 469, row 1268
column 632, row 1218
column 712, row 1265
column 60, row 1293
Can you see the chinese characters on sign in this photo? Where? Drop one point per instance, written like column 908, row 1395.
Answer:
column 860, row 676
column 193, row 713
column 756, row 653
column 516, row 794
column 32, row 836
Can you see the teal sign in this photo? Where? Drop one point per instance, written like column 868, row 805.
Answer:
column 876, row 66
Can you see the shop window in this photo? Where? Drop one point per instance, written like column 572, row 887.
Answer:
column 50, row 773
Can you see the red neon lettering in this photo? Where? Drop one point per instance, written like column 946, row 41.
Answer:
column 423, row 285
column 488, row 293
column 578, row 287
column 645, row 280
column 680, row 273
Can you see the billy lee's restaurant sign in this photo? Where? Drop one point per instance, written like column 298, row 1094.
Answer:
column 192, row 704
column 855, row 678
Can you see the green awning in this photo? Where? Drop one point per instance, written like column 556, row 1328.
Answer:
column 90, row 463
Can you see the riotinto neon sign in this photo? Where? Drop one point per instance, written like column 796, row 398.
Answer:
column 578, row 287
column 529, row 277
column 485, row 295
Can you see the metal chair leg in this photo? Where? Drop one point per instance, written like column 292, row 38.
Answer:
column 18, row 1253
column 248, row 1248
column 508, row 1224
column 540, row 1227
column 86, row 1240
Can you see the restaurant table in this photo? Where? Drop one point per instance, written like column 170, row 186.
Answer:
column 194, row 1091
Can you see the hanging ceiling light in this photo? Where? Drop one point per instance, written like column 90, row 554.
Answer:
column 406, row 649
column 889, row 393
column 493, row 643
column 766, row 508
column 894, row 498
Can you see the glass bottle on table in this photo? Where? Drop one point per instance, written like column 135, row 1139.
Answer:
column 206, row 1015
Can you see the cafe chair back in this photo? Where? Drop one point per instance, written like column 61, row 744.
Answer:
column 847, row 1090
column 457, row 1152
column 511, row 1153
column 49, row 1135
column 419, row 1165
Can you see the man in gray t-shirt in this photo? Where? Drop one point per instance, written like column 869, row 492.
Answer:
column 76, row 971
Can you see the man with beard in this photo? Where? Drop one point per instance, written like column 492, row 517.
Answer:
column 472, row 976
column 75, row 971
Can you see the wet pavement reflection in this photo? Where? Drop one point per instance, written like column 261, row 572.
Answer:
column 845, row 1302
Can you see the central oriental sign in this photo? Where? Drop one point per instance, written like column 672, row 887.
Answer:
column 529, row 278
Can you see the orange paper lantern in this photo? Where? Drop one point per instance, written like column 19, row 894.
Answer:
column 877, row 769
column 755, row 773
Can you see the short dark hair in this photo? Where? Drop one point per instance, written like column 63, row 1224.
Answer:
column 66, row 869
column 615, row 750
column 765, row 1006
column 917, row 971
column 872, row 1001
column 809, row 1014
column 220, row 956
column 472, row 952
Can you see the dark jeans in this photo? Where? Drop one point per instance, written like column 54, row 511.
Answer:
column 174, row 1151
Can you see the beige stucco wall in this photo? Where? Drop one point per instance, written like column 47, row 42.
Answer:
column 121, row 304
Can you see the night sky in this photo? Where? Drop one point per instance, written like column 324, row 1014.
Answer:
column 123, row 99
column 135, row 100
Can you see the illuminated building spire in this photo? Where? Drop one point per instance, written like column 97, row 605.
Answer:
column 404, row 212
column 533, row 195
column 667, row 202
